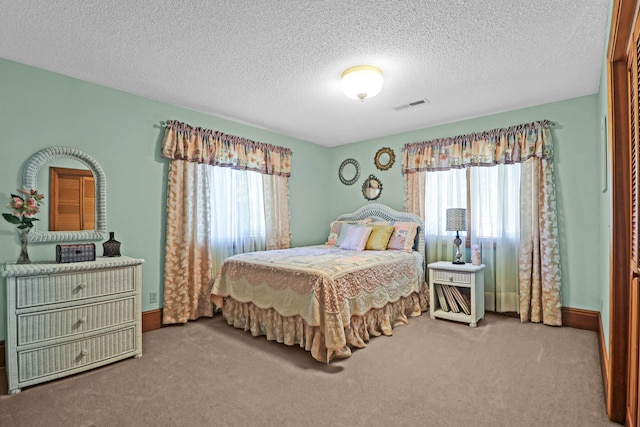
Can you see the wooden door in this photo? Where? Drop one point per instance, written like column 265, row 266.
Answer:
column 634, row 292
column 72, row 199
column 621, row 366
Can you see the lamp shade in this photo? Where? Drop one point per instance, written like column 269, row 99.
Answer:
column 456, row 219
column 362, row 81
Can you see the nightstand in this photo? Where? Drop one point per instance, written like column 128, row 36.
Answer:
column 456, row 287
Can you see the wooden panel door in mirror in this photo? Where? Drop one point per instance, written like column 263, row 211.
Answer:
column 72, row 199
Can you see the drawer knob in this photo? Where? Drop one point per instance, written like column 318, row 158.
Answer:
column 82, row 286
column 84, row 352
column 451, row 278
column 82, row 320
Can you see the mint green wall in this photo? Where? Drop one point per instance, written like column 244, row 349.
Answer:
column 577, row 154
column 605, row 198
column 121, row 131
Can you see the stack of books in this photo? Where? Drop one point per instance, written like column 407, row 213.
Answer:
column 451, row 299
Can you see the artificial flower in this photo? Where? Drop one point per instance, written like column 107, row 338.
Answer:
column 24, row 208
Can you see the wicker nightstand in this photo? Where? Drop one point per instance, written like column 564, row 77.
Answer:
column 468, row 281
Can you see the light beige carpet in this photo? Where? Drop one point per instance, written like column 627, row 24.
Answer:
column 429, row 373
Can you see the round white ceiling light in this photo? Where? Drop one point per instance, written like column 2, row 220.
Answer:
column 362, row 81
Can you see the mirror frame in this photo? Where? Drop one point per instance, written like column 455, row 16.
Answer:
column 353, row 162
column 30, row 179
column 365, row 187
column 392, row 158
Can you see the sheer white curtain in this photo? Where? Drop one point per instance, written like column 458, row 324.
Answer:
column 443, row 190
column 494, row 194
column 237, row 212
column 495, row 228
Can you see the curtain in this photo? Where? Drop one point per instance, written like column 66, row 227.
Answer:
column 276, row 202
column 540, row 293
column 531, row 145
column 452, row 193
column 237, row 195
column 199, row 235
column 495, row 228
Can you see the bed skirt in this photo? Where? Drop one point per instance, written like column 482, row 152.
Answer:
column 293, row 330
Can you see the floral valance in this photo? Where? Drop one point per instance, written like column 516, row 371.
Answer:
column 194, row 144
column 511, row 145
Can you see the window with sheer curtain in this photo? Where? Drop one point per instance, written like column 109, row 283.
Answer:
column 510, row 192
column 491, row 196
column 237, row 212
column 225, row 195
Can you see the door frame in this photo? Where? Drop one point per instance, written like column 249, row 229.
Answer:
column 617, row 369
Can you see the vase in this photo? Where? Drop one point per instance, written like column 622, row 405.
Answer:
column 24, row 246
column 112, row 246
column 475, row 255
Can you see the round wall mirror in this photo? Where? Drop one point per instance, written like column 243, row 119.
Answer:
column 384, row 158
column 349, row 171
column 371, row 188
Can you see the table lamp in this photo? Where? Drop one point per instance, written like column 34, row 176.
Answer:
column 457, row 221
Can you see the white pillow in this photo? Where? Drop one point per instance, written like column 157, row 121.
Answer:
column 343, row 233
column 356, row 238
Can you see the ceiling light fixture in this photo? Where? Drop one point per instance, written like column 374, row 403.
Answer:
column 362, row 81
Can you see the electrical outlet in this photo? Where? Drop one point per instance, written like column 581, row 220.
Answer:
column 153, row 297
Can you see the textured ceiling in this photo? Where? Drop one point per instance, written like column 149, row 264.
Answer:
column 276, row 64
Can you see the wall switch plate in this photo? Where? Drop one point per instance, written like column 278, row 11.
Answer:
column 153, row 297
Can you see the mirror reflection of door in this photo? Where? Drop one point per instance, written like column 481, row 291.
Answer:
column 72, row 199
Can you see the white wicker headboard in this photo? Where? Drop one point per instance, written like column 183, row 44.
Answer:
column 384, row 212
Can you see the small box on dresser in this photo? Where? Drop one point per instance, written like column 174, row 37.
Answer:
column 65, row 318
column 469, row 281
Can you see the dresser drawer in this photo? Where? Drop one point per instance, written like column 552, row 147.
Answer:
column 52, row 324
column 57, row 359
column 451, row 276
column 57, row 288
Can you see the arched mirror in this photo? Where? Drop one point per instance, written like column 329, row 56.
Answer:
column 371, row 188
column 349, row 171
column 92, row 178
column 384, row 158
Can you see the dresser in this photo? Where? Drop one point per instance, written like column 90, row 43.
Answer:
column 67, row 318
column 447, row 281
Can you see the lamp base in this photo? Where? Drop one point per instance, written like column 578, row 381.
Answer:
column 457, row 241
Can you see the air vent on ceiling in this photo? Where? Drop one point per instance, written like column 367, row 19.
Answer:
column 419, row 102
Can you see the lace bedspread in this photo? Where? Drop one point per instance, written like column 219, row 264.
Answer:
column 323, row 285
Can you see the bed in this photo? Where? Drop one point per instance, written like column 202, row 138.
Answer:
column 368, row 278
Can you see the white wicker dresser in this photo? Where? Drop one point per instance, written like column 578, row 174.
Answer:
column 67, row 318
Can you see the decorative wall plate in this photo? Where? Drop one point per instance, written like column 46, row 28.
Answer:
column 384, row 158
column 349, row 176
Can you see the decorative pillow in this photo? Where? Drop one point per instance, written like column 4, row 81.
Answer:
column 336, row 226
column 379, row 237
column 343, row 232
column 403, row 235
column 356, row 238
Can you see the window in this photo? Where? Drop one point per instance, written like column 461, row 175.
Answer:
column 490, row 195
column 237, row 210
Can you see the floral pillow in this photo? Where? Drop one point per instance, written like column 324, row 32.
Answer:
column 336, row 226
column 379, row 237
column 403, row 236
column 356, row 238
